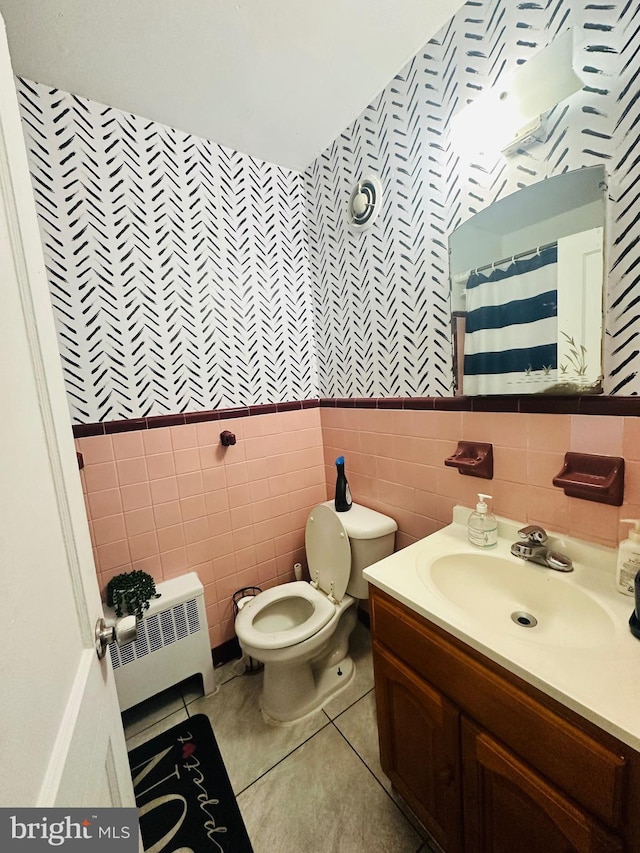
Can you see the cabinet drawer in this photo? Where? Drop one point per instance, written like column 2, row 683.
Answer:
column 567, row 751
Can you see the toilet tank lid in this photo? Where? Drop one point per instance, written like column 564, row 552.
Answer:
column 360, row 522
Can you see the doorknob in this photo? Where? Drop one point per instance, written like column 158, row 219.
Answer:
column 125, row 630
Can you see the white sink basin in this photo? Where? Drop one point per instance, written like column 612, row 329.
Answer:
column 581, row 653
column 529, row 601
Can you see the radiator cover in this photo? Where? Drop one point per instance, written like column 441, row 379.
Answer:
column 172, row 644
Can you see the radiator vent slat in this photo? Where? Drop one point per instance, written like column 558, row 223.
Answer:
column 192, row 616
column 153, row 627
column 126, row 654
column 168, row 634
column 158, row 631
column 141, row 645
column 181, row 622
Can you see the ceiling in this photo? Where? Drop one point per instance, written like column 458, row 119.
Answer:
column 277, row 79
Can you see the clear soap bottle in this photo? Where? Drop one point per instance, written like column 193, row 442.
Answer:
column 482, row 526
column 628, row 563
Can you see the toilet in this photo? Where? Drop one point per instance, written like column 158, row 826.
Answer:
column 300, row 630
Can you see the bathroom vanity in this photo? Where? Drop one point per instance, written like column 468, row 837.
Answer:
column 500, row 740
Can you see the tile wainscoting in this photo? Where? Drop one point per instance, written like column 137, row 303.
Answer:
column 395, row 464
column 172, row 500
column 169, row 499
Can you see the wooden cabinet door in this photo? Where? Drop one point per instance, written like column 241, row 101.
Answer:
column 508, row 807
column 419, row 736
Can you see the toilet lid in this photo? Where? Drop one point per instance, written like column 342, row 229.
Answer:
column 328, row 551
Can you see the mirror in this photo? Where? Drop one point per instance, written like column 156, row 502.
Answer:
column 527, row 282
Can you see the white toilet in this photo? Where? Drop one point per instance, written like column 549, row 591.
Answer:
column 300, row 630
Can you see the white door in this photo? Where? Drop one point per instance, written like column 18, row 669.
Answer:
column 580, row 307
column 61, row 738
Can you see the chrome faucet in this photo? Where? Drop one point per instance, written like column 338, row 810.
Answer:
column 533, row 549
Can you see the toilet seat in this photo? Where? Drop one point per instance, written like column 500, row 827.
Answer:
column 291, row 613
column 247, row 622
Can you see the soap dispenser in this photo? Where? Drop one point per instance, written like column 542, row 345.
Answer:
column 634, row 619
column 482, row 526
column 628, row 559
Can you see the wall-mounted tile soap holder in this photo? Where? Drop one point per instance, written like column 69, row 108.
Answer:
column 473, row 458
column 592, row 478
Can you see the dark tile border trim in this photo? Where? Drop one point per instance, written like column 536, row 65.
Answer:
column 178, row 419
column 620, row 406
column 623, row 406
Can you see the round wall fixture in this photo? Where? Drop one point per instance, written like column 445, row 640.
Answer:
column 365, row 202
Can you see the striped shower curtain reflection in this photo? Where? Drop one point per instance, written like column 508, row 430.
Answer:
column 511, row 329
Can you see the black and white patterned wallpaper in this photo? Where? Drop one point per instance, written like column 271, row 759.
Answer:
column 188, row 276
column 382, row 295
column 178, row 268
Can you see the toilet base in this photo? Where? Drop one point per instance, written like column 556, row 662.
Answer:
column 281, row 705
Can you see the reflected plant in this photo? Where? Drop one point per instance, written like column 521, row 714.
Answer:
column 577, row 356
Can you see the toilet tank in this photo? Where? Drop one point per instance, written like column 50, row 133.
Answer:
column 372, row 537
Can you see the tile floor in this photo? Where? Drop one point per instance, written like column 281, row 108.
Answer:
column 313, row 787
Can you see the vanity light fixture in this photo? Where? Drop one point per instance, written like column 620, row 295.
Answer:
column 510, row 115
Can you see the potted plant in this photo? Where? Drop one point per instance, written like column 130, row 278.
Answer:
column 131, row 593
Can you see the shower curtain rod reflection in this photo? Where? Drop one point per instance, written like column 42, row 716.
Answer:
column 463, row 276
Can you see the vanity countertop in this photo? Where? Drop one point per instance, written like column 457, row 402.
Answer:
column 599, row 680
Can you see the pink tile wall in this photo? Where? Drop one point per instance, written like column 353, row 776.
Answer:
column 173, row 500
column 394, row 463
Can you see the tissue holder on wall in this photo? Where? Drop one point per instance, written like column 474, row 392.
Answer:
column 592, row 478
column 473, row 458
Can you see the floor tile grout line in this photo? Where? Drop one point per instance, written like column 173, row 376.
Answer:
column 414, row 822
column 349, row 707
column 404, row 815
column 284, row 758
column 329, row 721
column 423, row 845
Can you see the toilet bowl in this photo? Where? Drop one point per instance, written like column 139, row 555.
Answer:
column 300, row 630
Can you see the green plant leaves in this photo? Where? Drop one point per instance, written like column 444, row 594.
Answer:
column 131, row 593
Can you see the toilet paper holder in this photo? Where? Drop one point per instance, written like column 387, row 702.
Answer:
column 240, row 598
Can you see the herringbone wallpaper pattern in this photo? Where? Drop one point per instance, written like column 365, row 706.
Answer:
column 187, row 276
column 178, row 268
column 381, row 296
